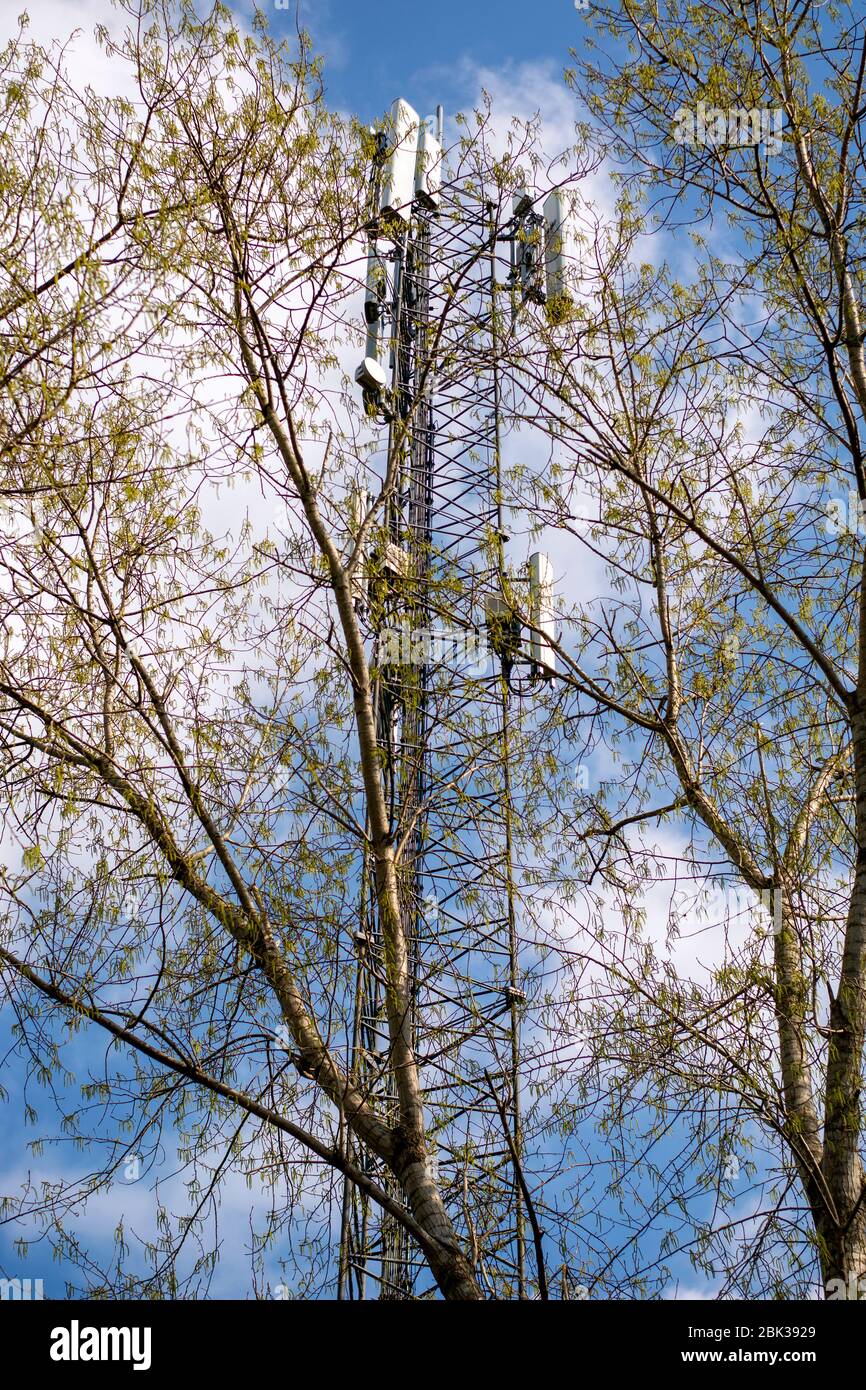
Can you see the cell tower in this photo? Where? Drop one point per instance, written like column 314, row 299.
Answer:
column 439, row 602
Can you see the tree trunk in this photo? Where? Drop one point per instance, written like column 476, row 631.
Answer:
column 843, row 1258
column 844, row 1241
column 451, row 1268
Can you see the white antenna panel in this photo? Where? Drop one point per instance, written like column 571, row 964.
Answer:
column 559, row 248
column 541, row 612
column 428, row 168
column 398, row 175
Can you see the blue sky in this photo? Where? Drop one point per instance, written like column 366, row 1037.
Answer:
column 426, row 52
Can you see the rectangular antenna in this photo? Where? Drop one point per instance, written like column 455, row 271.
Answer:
column 428, row 169
column 559, row 253
column 541, row 613
column 398, row 176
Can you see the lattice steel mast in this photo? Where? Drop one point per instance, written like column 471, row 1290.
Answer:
column 443, row 545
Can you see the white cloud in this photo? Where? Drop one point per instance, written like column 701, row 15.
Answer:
column 55, row 21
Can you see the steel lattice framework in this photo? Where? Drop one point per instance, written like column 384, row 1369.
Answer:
column 445, row 719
